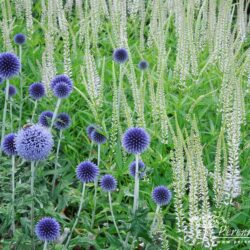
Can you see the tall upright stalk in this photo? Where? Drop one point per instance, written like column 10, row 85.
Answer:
column 32, row 202
column 113, row 217
column 21, row 88
column 11, row 115
column 156, row 213
column 55, row 112
column 34, row 111
column 56, row 161
column 45, row 245
column 77, row 217
column 96, row 186
column 136, row 188
column 5, row 109
column 13, row 192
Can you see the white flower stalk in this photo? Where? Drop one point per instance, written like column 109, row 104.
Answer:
column 28, row 15
column 81, row 19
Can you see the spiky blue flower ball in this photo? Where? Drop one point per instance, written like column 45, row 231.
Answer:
column 90, row 129
column 47, row 229
column 97, row 137
column 63, row 121
column 120, row 55
column 9, row 65
column 141, row 169
column 143, row 65
column 135, row 140
column 8, row 144
column 87, row 171
column 161, row 195
column 20, row 39
column 61, row 90
column 12, row 90
column 61, row 78
column 1, row 80
column 37, row 90
column 45, row 118
column 34, row 143
column 108, row 183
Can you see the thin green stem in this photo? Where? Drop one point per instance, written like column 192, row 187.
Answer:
column 21, row 88
column 11, row 115
column 77, row 217
column 32, row 201
column 5, row 109
column 136, row 188
column 55, row 112
column 45, row 245
column 113, row 217
column 13, row 192
column 56, row 162
column 34, row 111
column 156, row 213
column 96, row 186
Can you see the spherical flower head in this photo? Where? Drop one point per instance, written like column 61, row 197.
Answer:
column 63, row 121
column 20, row 39
column 45, row 118
column 141, row 169
column 161, row 195
column 120, row 55
column 8, row 144
column 61, row 90
column 135, row 140
column 143, row 65
column 12, row 90
column 34, row 143
column 1, row 80
column 97, row 137
column 108, row 183
column 36, row 90
column 90, row 129
column 87, row 171
column 9, row 65
column 61, row 78
column 47, row 229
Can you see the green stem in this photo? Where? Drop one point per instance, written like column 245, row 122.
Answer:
column 136, row 188
column 77, row 217
column 21, row 88
column 55, row 112
column 96, row 186
column 32, row 201
column 5, row 109
column 11, row 115
column 45, row 245
column 113, row 217
column 34, row 111
column 13, row 192
column 156, row 213
column 56, row 162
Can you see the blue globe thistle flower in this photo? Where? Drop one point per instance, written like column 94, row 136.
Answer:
column 9, row 65
column 143, row 65
column 8, row 144
column 141, row 169
column 108, row 183
column 1, row 80
column 61, row 78
column 90, row 129
column 161, row 195
column 45, row 118
column 34, row 143
column 37, row 90
column 135, row 140
column 98, row 137
column 87, row 171
column 20, row 39
column 47, row 229
column 12, row 90
column 63, row 121
column 61, row 90
column 120, row 55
